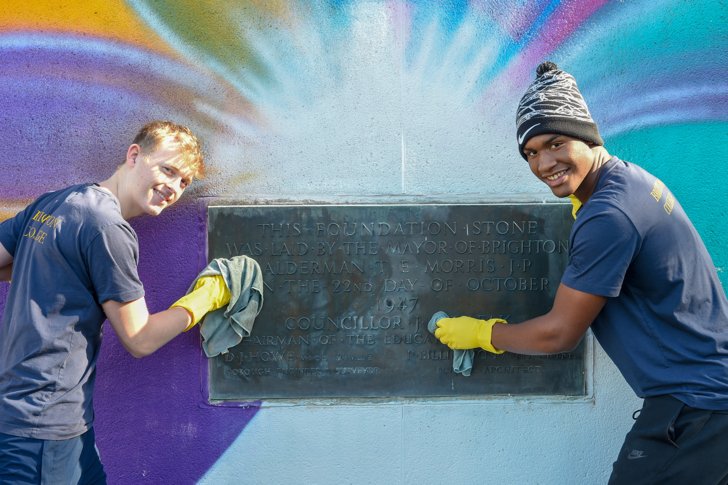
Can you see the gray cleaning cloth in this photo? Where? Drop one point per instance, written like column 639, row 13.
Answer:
column 462, row 360
column 226, row 327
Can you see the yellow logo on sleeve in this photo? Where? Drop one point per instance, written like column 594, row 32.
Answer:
column 658, row 188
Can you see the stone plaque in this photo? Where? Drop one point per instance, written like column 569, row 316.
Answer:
column 349, row 291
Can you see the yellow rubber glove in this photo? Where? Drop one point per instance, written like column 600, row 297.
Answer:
column 575, row 205
column 464, row 333
column 209, row 294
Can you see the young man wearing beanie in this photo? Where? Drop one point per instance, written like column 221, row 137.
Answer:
column 640, row 276
column 72, row 257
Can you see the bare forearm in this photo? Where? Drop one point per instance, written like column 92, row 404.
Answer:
column 140, row 332
column 6, row 272
column 6, row 264
column 160, row 328
column 559, row 330
column 537, row 336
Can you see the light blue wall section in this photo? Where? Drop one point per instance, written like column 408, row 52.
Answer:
column 513, row 441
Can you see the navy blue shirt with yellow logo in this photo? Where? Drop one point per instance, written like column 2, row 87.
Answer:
column 71, row 251
column 665, row 323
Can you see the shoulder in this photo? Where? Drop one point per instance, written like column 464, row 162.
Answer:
column 92, row 195
column 623, row 188
column 619, row 177
column 634, row 192
column 48, row 205
column 95, row 205
column 608, row 215
column 95, row 212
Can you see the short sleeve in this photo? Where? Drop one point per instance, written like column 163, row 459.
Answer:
column 603, row 245
column 11, row 230
column 112, row 259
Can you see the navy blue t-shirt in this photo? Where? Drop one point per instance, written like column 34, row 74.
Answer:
column 665, row 323
column 71, row 251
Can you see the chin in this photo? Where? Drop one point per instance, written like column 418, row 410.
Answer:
column 154, row 210
column 561, row 192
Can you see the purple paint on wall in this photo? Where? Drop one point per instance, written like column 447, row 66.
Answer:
column 152, row 418
column 152, row 421
column 559, row 25
column 71, row 105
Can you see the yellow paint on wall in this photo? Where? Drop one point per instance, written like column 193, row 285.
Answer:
column 110, row 19
column 279, row 8
column 8, row 208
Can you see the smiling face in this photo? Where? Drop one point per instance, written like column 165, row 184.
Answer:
column 156, row 178
column 565, row 164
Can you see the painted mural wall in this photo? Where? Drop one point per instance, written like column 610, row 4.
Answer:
column 350, row 101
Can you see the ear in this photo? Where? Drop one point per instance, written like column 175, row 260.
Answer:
column 131, row 154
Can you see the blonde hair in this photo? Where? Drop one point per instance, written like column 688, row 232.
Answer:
column 153, row 133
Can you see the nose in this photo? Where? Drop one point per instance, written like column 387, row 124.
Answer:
column 172, row 190
column 544, row 162
column 176, row 186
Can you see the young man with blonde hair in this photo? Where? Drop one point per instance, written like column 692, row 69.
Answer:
column 72, row 259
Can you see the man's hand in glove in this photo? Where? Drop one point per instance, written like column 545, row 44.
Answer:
column 209, row 294
column 467, row 333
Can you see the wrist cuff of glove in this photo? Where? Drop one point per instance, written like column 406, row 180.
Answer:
column 209, row 294
column 486, row 333
column 193, row 320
